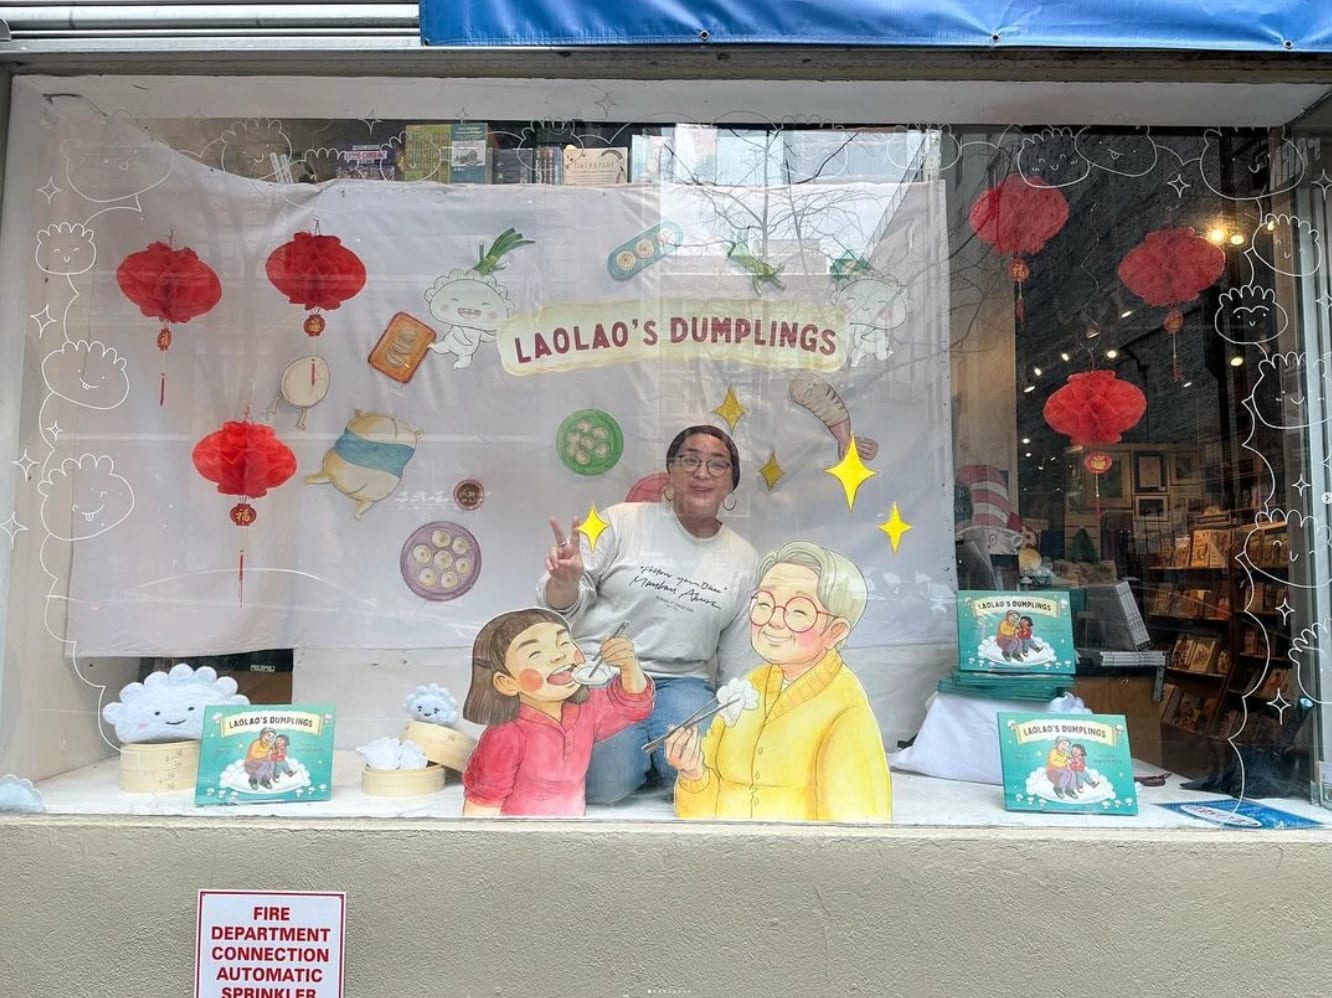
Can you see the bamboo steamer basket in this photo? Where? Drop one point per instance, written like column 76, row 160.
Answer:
column 446, row 746
column 158, row 767
column 402, row 782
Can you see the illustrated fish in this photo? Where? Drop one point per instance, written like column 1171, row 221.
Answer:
column 762, row 271
column 809, row 391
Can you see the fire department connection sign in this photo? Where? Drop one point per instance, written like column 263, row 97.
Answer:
column 263, row 944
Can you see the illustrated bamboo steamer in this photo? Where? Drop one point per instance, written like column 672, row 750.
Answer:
column 158, row 767
column 402, row 782
column 446, row 746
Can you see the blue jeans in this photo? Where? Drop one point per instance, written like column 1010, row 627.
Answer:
column 620, row 766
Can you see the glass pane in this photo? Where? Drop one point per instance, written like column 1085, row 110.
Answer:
column 309, row 405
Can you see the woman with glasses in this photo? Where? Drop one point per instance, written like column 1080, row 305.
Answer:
column 678, row 581
column 811, row 750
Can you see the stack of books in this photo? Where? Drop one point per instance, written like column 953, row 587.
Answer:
column 1013, row 646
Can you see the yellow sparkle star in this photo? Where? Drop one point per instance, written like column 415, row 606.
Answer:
column 592, row 526
column 730, row 410
column 895, row 527
column 852, row 473
column 771, row 471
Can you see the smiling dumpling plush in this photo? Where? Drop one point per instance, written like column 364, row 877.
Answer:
column 432, row 704
column 169, row 706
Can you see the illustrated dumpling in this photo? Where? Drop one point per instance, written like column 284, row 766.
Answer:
column 169, row 706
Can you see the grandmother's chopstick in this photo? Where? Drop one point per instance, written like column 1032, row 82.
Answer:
column 694, row 718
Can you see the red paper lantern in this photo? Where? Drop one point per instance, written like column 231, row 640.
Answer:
column 171, row 286
column 1018, row 217
column 1171, row 267
column 1095, row 408
column 244, row 459
column 316, row 272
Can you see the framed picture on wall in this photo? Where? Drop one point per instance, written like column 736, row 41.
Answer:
column 1149, row 471
column 1184, row 468
column 1149, row 507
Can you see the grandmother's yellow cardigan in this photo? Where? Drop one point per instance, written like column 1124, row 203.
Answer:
column 812, row 752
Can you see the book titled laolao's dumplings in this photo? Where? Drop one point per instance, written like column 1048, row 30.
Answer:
column 1067, row 763
column 1015, row 632
column 265, row 755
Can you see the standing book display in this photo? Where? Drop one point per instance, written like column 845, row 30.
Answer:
column 1012, row 646
column 1067, row 764
column 265, row 755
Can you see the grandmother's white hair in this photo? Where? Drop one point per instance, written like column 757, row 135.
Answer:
column 841, row 587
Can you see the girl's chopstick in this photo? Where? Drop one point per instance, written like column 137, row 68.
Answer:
column 596, row 663
column 694, row 718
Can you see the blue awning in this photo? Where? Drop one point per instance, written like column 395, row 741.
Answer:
column 1215, row 25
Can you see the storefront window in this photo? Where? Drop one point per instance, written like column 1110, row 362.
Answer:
column 315, row 405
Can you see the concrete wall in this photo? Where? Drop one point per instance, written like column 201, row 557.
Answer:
column 107, row 907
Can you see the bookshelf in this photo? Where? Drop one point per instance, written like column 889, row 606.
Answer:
column 1226, row 632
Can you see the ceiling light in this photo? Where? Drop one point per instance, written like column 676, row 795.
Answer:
column 1028, row 453
column 1216, row 234
column 1187, row 384
column 1065, row 357
column 1112, row 353
column 1026, row 440
column 1028, row 389
column 1237, row 361
column 1037, row 371
column 1236, row 239
column 1126, row 313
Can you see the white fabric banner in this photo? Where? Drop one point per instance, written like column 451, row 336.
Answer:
column 801, row 314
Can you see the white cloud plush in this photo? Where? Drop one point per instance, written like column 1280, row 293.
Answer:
column 169, row 706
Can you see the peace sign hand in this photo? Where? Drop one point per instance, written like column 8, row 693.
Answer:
column 564, row 561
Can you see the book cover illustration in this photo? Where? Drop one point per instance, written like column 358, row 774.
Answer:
column 1231, row 813
column 264, row 755
column 1015, row 632
column 1067, row 763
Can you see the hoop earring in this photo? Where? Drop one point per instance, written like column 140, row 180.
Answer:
column 730, row 508
column 668, row 493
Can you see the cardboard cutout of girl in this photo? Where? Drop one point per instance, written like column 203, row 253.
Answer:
column 541, row 722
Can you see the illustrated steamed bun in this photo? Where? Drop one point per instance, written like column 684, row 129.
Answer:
column 19, row 796
column 169, row 706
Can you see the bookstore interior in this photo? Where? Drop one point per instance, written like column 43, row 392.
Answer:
column 358, row 458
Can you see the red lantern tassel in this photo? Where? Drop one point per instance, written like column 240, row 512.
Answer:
column 163, row 344
column 240, row 579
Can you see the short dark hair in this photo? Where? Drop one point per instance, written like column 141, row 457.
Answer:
column 485, row 704
column 707, row 430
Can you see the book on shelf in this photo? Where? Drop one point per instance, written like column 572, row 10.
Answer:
column 1210, row 549
column 1222, row 663
column 1200, row 655
column 469, row 145
column 426, row 152
column 1170, row 694
column 1193, row 711
column 365, row 161
column 511, row 166
column 1180, row 653
column 598, row 167
column 1182, row 552
column 1161, row 600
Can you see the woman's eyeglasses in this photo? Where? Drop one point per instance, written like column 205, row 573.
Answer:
column 799, row 613
column 691, row 462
